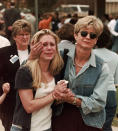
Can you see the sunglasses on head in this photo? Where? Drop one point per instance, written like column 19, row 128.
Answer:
column 91, row 35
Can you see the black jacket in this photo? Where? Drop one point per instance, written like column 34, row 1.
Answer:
column 7, row 74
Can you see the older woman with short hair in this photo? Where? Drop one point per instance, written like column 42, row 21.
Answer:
column 11, row 57
column 89, row 79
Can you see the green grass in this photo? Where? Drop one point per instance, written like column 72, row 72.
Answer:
column 115, row 121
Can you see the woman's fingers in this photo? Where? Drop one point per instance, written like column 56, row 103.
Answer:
column 6, row 87
column 35, row 50
column 70, row 93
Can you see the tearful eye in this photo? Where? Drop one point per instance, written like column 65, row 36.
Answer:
column 45, row 44
column 52, row 44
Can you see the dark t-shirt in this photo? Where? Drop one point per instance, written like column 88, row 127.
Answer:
column 23, row 80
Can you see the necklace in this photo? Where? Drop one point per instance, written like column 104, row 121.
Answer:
column 80, row 66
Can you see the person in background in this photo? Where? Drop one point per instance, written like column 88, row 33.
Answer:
column 74, row 19
column 67, row 19
column 2, row 25
column 115, row 44
column 66, row 34
column 111, row 26
column 111, row 58
column 4, row 42
column 30, row 18
column 11, row 57
column 36, row 83
column 45, row 22
column 105, row 19
column 55, row 21
column 61, row 23
column 6, row 90
column 89, row 80
column 10, row 16
column 8, row 5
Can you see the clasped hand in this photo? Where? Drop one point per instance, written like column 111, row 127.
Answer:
column 62, row 93
column 6, row 88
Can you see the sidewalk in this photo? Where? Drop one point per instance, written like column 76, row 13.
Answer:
column 2, row 129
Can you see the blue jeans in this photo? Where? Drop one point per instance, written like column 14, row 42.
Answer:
column 13, row 128
column 110, row 110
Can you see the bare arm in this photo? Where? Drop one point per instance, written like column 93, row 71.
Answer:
column 2, row 97
column 30, row 104
column 6, row 89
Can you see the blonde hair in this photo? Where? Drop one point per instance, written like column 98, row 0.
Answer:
column 84, row 22
column 20, row 25
column 56, row 63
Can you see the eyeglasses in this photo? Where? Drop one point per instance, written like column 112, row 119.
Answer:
column 85, row 33
column 22, row 35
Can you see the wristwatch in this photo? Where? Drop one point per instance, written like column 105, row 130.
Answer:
column 74, row 102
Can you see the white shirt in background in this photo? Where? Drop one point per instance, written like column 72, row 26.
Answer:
column 23, row 55
column 111, row 26
column 4, row 42
column 65, row 44
column 111, row 58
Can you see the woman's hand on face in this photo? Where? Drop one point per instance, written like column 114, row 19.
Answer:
column 35, row 50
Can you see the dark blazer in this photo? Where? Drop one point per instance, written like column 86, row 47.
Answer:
column 7, row 74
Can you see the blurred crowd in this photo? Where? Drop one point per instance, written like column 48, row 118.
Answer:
column 17, row 26
column 53, row 20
